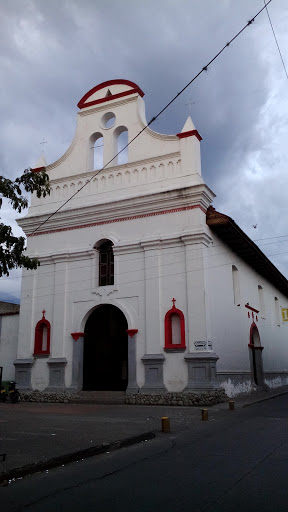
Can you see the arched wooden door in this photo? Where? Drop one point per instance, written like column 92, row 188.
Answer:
column 105, row 361
column 256, row 355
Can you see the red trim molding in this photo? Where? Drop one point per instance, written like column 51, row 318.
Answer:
column 183, row 135
column 135, row 89
column 250, row 344
column 252, row 309
column 131, row 332
column 168, row 328
column 38, row 169
column 77, row 335
column 121, row 219
column 39, row 331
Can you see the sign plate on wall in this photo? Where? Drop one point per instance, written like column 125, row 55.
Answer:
column 284, row 314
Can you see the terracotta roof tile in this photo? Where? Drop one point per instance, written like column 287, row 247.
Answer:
column 7, row 308
column 241, row 244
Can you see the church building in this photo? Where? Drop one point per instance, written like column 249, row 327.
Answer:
column 142, row 285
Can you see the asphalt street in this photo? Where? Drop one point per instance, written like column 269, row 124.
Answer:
column 237, row 461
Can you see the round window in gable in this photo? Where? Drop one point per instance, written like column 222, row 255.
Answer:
column 108, row 120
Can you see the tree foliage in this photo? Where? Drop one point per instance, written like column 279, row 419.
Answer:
column 11, row 247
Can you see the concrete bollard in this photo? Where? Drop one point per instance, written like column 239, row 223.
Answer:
column 165, row 424
column 231, row 405
column 204, row 414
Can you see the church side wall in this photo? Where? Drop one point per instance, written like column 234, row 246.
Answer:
column 230, row 323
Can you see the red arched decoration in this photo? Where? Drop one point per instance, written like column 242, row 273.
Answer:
column 39, row 350
column 135, row 89
column 168, row 328
column 251, row 344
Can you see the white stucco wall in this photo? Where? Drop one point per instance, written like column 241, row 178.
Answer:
column 230, row 323
column 8, row 344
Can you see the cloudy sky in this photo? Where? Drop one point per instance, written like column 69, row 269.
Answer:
column 53, row 52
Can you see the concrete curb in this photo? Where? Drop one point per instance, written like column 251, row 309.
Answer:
column 72, row 457
column 265, row 398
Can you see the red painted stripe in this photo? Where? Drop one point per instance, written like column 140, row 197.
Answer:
column 77, row 335
column 108, row 98
column 82, row 103
column 111, row 221
column 189, row 134
column 252, row 309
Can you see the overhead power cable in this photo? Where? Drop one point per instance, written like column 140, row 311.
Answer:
column 155, row 117
column 275, row 39
column 167, row 253
column 139, row 279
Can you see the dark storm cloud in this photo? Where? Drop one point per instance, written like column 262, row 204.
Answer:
column 56, row 51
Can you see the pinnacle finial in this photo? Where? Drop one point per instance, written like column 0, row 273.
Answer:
column 188, row 126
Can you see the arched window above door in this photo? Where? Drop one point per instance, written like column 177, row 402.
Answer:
column 106, row 263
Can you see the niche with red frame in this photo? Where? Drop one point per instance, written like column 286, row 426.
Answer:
column 42, row 337
column 174, row 329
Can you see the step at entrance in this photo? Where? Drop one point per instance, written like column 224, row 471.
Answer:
column 100, row 397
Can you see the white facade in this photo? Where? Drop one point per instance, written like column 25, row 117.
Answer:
column 153, row 210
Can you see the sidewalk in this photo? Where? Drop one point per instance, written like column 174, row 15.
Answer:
column 37, row 436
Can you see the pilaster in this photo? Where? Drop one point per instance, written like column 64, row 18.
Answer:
column 153, row 364
column 195, row 288
column 59, row 306
column 202, row 374
column 132, row 386
column 56, row 374
column 77, row 361
column 152, row 295
column 23, row 372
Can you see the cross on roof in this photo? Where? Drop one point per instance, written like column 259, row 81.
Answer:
column 190, row 103
column 173, row 300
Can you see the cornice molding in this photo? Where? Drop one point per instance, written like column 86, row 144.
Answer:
column 151, row 244
column 200, row 237
column 61, row 257
column 133, row 247
column 131, row 165
column 173, row 201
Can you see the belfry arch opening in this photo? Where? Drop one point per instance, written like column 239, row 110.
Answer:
column 120, row 143
column 105, row 361
column 96, row 151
